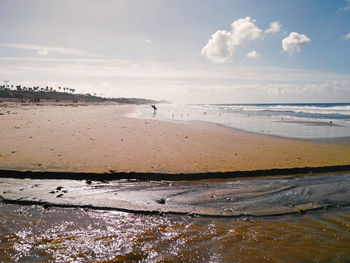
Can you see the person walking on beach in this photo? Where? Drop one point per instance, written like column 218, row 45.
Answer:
column 154, row 108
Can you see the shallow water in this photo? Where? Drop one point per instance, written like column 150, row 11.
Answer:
column 35, row 234
column 32, row 233
column 309, row 121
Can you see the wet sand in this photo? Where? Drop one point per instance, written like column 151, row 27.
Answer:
column 254, row 197
column 100, row 138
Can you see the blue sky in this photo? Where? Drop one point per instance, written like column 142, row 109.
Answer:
column 182, row 51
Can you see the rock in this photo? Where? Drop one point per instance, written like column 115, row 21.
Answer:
column 161, row 201
column 192, row 215
column 60, row 195
column 52, row 192
column 88, row 181
column 227, row 210
column 58, row 188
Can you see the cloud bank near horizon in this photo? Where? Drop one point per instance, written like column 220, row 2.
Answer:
column 45, row 50
column 179, row 82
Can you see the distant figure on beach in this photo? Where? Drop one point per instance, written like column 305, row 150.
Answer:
column 154, row 108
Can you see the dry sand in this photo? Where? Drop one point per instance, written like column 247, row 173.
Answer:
column 100, row 138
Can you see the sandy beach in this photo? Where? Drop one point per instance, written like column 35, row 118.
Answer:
column 101, row 138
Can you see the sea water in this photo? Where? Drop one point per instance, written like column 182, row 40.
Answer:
column 309, row 121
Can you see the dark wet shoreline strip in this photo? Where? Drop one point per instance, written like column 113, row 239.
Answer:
column 168, row 176
column 48, row 205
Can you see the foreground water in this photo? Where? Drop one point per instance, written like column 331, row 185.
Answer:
column 35, row 234
column 286, row 120
column 47, row 233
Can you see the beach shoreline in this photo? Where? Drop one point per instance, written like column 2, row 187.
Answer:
column 100, row 138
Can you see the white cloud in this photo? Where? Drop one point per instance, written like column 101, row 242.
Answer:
column 219, row 47
column 274, row 28
column 45, row 50
column 245, row 29
column 253, row 54
column 292, row 44
column 347, row 36
column 148, row 41
column 347, row 6
column 222, row 43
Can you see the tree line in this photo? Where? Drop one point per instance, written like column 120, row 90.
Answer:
column 63, row 94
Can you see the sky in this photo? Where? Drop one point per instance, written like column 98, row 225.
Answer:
column 183, row 51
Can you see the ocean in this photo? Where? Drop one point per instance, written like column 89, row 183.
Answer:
column 309, row 121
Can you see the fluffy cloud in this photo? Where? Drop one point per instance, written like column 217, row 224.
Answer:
column 244, row 29
column 274, row 28
column 219, row 47
column 253, row 54
column 222, row 43
column 292, row 44
column 347, row 36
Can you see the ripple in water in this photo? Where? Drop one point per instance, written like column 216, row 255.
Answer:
column 32, row 234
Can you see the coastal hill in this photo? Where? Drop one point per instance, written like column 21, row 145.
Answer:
column 67, row 94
